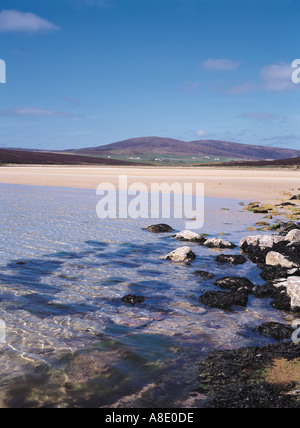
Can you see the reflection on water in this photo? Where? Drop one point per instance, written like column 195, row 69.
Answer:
column 71, row 341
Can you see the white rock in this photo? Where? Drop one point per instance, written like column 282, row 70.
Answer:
column 188, row 235
column 182, row 254
column 293, row 235
column 292, row 285
column 218, row 243
column 262, row 241
column 277, row 259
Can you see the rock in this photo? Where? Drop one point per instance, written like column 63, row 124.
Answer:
column 295, row 198
column 288, row 227
column 160, row 228
column 218, row 243
column 235, row 283
column 292, row 287
column 188, row 235
column 276, row 330
column 276, row 259
column 258, row 246
column 264, row 291
column 233, row 259
column 270, row 273
column 293, row 235
column 224, row 300
column 261, row 241
column 204, row 274
column 182, row 254
column 132, row 299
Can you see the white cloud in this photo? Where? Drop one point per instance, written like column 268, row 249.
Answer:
column 277, row 77
column 33, row 111
column 16, row 21
column 264, row 117
column 221, row 64
column 200, row 133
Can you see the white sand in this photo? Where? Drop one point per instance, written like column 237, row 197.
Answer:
column 245, row 184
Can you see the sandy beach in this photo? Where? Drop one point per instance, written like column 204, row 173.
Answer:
column 268, row 185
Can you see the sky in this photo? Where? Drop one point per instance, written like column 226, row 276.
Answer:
column 83, row 73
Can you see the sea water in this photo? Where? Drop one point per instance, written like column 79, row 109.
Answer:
column 70, row 340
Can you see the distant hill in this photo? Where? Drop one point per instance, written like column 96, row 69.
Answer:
column 15, row 156
column 168, row 146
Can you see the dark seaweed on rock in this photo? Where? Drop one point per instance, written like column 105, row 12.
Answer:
column 233, row 379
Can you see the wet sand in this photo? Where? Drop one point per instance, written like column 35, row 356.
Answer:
column 244, row 184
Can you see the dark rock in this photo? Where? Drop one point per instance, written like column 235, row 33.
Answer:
column 275, row 330
column 235, row 283
column 295, row 198
column 224, row 300
column 288, row 227
column 132, row 299
column 233, row 259
column 160, row 228
column 204, row 274
column 270, row 273
column 264, row 291
column 281, row 300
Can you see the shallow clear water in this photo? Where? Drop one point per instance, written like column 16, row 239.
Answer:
column 71, row 341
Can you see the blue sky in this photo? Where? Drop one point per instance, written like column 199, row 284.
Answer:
column 90, row 72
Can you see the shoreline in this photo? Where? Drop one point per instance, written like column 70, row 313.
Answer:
column 233, row 183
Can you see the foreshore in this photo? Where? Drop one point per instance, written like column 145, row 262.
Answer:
column 244, row 184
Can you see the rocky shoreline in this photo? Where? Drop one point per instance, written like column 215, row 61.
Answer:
column 240, row 378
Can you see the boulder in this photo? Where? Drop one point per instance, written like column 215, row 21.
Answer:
column 293, row 235
column 188, row 235
column 160, row 228
column 275, row 330
column 292, row 287
column 295, row 198
column 218, row 243
column 261, row 241
column 276, row 259
column 224, row 300
column 182, row 254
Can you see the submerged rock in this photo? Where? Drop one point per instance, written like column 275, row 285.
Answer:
column 275, row 330
column 218, row 243
column 188, row 235
column 133, row 299
column 160, row 228
column 182, row 254
column 204, row 274
column 225, row 300
column 235, row 283
column 233, row 259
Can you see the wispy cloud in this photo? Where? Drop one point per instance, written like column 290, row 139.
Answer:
column 277, row 77
column 16, row 21
column 34, row 112
column 190, row 88
column 264, row 117
column 245, row 88
column 221, row 64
